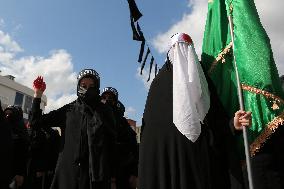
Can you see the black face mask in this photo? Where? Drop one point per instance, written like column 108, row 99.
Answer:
column 92, row 96
column 110, row 102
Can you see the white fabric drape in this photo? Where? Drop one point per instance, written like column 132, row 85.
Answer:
column 191, row 97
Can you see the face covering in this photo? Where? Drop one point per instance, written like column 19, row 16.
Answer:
column 81, row 91
column 110, row 102
column 91, row 96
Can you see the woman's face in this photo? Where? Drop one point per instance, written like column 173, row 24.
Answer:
column 108, row 97
column 87, row 82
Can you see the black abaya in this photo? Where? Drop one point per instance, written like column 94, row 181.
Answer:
column 168, row 160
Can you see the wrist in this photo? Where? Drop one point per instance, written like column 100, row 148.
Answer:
column 37, row 95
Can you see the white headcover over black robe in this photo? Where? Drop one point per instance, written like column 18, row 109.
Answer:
column 169, row 160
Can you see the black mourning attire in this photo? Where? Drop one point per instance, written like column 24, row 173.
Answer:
column 15, row 144
column 268, row 165
column 88, row 136
column 127, row 153
column 126, row 144
column 168, row 160
column 6, row 151
column 44, row 154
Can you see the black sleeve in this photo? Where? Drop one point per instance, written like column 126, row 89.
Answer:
column 55, row 118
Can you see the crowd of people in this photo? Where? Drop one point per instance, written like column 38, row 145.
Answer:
column 96, row 147
column 187, row 139
column 30, row 155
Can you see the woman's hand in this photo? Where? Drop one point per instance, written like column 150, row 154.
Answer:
column 39, row 87
column 242, row 119
column 19, row 180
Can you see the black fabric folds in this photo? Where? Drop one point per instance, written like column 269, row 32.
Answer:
column 88, row 138
column 145, row 59
column 92, row 96
column 141, row 51
column 142, row 38
column 151, row 65
column 135, row 34
column 167, row 159
column 134, row 11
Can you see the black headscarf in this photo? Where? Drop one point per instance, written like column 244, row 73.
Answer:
column 90, row 96
column 16, row 121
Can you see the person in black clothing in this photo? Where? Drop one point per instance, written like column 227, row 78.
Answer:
column 20, row 144
column 6, row 151
column 44, row 153
column 126, row 146
column 52, row 151
column 88, row 135
column 186, row 141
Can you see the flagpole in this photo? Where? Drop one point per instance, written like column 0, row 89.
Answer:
column 241, row 102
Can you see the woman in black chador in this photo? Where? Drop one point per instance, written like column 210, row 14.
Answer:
column 186, row 139
column 20, row 145
column 126, row 144
column 88, row 135
column 14, row 144
column 6, row 150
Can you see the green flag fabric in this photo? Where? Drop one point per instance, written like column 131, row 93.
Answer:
column 261, row 87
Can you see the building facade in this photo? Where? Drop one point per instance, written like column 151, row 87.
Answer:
column 136, row 128
column 14, row 93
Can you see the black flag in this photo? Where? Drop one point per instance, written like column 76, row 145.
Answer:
column 135, row 34
column 141, row 51
column 134, row 11
column 151, row 64
column 145, row 59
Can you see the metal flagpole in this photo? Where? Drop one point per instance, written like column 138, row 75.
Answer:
column 241, row 102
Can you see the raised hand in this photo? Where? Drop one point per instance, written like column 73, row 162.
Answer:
column 39, row 87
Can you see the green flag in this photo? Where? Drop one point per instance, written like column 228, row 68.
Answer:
column 261, row 87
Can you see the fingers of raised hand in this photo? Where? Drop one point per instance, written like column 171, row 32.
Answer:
column 39, row 83
column 43, row 87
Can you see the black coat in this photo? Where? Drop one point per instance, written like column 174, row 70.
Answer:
column 6, row 150
column 88, row 138
column 168, row 160
column 44, row 149
column 127, row 153
column 14, row 146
